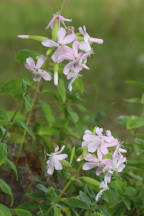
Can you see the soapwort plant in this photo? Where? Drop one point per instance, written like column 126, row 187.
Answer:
column 65, row 165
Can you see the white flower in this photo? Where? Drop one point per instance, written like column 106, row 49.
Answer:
column 54, row 160
column 86, row 44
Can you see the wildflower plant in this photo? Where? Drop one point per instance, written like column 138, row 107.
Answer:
column 73, row 165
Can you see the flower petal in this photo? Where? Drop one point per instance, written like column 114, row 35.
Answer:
column 50, row 167
column 49, row 43
column 89, row 165
column 57, row 165
column 61, row 156
column 41, row 60
column 61, row 34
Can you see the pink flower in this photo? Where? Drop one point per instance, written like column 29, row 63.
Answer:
column 62, row 40
column 95, row 143
column 99, row 144
column 77, row 63
column 60, row 19
column 92, row 163
column 54, row 160
column 86, row 44
column 36, row 68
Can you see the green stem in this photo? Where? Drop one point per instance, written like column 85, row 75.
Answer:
column 61, row 194
column 28, row 122
column 63, row 191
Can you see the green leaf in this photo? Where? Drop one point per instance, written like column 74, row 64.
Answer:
column 66, row 164
column 75, row 203
column 85, row 198
column 48, row 113
column 134, row 122
column 57, row 211
column 62, row 90
column 4, row 211
column 133, row 100
column 11, row 166
column 42, row 188
column 81, row 108
column 73, row 115
column 6, row 189
column 22, row 55
column 30, row 206
column 137, row 83
column 12, row 87
column 3, row 117
column 90, row 181
column 47, row 131
column 3, row 153
column 28, row 103
column 122, row 120
column 22, row 212
column 25, row 127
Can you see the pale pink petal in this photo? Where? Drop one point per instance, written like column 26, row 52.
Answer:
column 89, row 165
column 99, row 153
column 61, row 156
column 50, row 167
column 61, row 34
column 69, row 39
column 30, row 62
column 23, row 36
column 96, row 40
column 91, row 158
column 45, row 75
column 41, row 60
column 28, row 67
column 37, row 77
column 56, row 78
column 57, row 165
column 99, row 170
column 62, row 53
column 67, row 68
column 49, row 43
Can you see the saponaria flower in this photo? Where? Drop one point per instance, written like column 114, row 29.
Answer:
column 36, row 68
column 86, row 44
column 76, row 64
column 60, row 19
column 54, row 160
column 107, row 155
column 62, row 40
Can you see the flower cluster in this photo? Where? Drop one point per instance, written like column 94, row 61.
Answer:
column 68, row 46
column 105, row 153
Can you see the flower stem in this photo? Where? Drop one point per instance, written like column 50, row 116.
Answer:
column 28, row 122
column 61, row 194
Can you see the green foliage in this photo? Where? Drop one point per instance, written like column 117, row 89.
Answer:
column 6, row 189
column 22, row 212
column 3, row 153
column 25, row 53
column 4, row 211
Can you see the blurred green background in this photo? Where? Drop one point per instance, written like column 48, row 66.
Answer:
column 120, row 58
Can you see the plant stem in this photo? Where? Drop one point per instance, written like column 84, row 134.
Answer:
column 28, row 122
column 61, row 194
